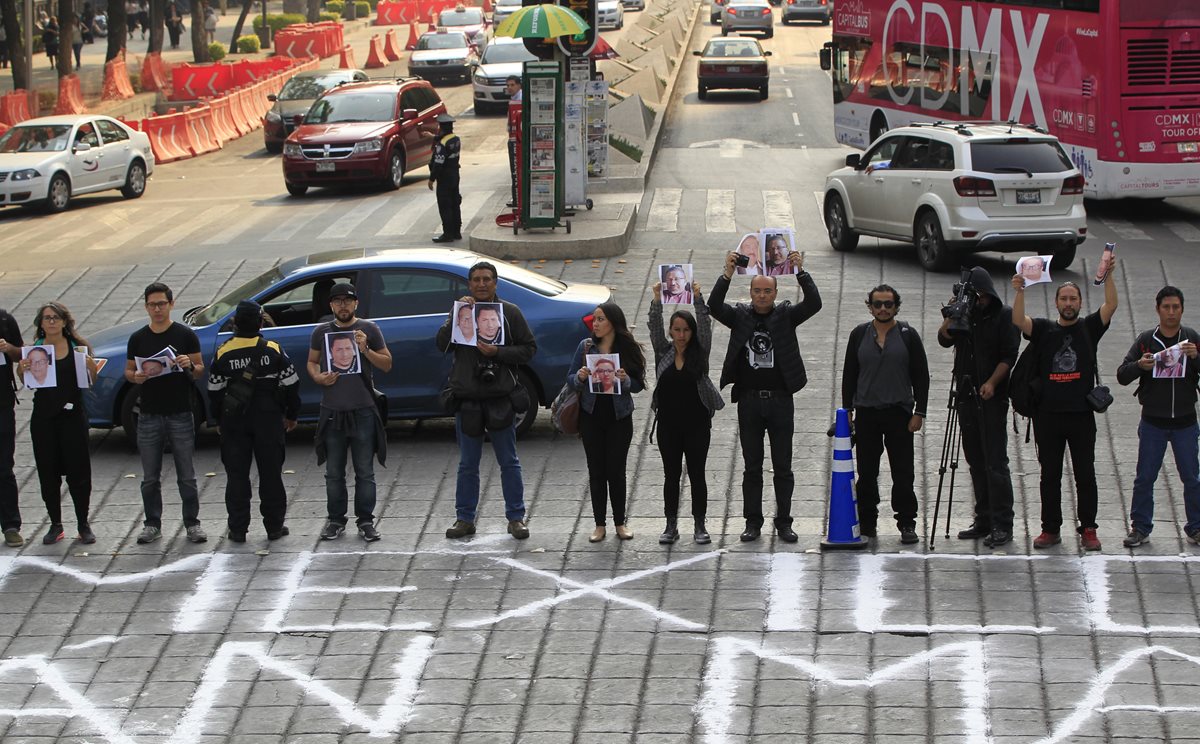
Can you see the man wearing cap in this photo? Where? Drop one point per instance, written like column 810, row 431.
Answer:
column 443, row 172
column 255, row 394
column 349, row 420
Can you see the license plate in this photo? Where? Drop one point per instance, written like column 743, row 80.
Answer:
column 1029, row 196
column 733, row 68
column 323, row 167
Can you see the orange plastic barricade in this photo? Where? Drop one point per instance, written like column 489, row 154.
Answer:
column 391, row 45
column 3, row 128
column 168, row 137
column 222, row 124
column 254, row 104
column 156, row 74
column 134, row 124
column 14, row 107
column 347, row 60
column 199, row 123
column 70, row 97
column 237, row 111
column 192, row 82
column 375, row 57
column 413, row 38
column 386, row 13
column 116, row 81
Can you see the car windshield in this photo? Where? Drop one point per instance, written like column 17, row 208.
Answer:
column 41, row 138
column 212, row 313
column 308, row 88
column 497, row 53
column 442, row 41
column 738, row 48
column 468, row 17
column 1015, row 156
column 352, row 107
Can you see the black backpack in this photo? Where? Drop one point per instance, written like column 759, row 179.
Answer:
column 1024, row 385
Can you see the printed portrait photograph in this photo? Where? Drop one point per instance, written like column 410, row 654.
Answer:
column 341, row 353
column 676, row 280
column 155, row 366
column 1105, row 264
column 489, row 323
column 462, row 324
column 776, row 245
column 602, row 368
column 42, row 372
column 748, row 246
column 1169, row 363
column 1034, row 269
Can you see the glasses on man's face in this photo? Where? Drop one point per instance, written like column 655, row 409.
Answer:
column 343, row 301
column 157, row 305
column 889, row 304
column 51, row 319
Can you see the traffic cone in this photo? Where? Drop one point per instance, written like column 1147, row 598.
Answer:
column 391, row 45
column 843, row 507
column 412, row 37
column 375, row 56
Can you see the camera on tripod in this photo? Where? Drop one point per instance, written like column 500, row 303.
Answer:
column 958, row 310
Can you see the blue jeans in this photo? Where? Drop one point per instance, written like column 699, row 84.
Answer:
column 361, row 444
column 470, row 449
column 1152, row 446
column 153, row 432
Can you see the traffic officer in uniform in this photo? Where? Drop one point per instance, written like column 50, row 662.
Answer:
column 255, row 393
column 443, row 171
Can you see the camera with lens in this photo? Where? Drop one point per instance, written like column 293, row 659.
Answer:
column 487, row 371
column 741, row 260
column 958, row 310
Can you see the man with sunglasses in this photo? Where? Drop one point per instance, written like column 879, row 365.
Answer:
column 885, row 386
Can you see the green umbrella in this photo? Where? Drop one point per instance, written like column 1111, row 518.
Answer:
column 544, row 21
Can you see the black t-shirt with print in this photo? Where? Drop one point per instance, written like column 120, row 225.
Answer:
column 171, row 393
column 757, row 366
column 1067, row 362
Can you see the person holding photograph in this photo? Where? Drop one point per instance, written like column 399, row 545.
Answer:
column 166, row 411
column 675, row 288
column 10, row 503
column 38, row 368
column 776, row 255
column 59, row 425
column 603, row 380
column 606, row 421
column 684, row 403
column 342, row 359
column 349, row 422
column 489, row 323
column 1067, row 367
column 1168, row 417
column 750, row 249
column 1032, row 269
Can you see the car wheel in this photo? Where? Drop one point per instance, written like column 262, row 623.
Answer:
column 58, row 196
column 395, row 174
column 724, row 31
column 296, row 189
column 825, row 21
column 274, row 147
column 770, row 34
column 524, row 421
column 841, row 237
column 932, row 251
column 1064, row 255
column 763, row 92
column 135, row 180
column 702, row 92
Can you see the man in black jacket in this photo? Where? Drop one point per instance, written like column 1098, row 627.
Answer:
column 885, row 386
column 481, row 386
column 983, row 354
column 1168, row 417
column 764, row 365
column 10, row 505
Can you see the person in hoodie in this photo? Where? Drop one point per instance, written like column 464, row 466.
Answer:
column 1168, row 417
column 983, row 356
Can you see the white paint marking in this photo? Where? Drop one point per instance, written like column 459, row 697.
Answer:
column 788, row 93
column 352, row 217
column 796, row 118
column 1186, row 232
column 664, row 210
column 472, row 202
column 183, row 564
column 208, row 218
column 819, row 196
column 718, row 213
column 1125, row 230
column 1098, row 593
column 253, row 216
column 194, row 608
column 101, row 641
column 145, row 224
column 785, row 608
column 777, row 209
column 408, row 214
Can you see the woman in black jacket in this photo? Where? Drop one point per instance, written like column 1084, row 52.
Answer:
column 50, row 39
column 684, row 402
column 59, row 425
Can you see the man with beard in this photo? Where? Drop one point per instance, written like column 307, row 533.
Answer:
column 1066, row 355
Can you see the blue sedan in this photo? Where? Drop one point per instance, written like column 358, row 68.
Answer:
column 408, row 292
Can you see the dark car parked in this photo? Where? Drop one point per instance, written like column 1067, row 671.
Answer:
column 295, row 99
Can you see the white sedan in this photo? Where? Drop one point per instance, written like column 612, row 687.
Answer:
column 47, row 161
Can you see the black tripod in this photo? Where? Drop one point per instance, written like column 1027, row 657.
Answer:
column 952, row 445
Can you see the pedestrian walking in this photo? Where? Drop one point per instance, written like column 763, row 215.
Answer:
column 1168, row 416
column 885, row 386
column 210, row 24
column 684, row 403
column 143, row 17
column 50, row 38
column 764, row 365
column 10, row 503
column 166, row 410
column 985, row 343
column 77, row 43
column 350, row 422
column 485, row 394
column 1066, row 351
column 131, row 17
column 58, row 428
column 174, row 23
column 86, row 17
column 512, row 86
column 606, row 420
column 443, row 174
column 255, row 394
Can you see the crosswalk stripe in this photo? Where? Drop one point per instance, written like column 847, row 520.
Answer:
column 664, row 210
column 777, row 209
column 1125, row 230
column 820, row 197
column 407, row 214
column 718, row 217
column 353, row 217
column 1186, row 232
column 472, row 202
column 210, row 216
column 252, row 217
column 144, row 224
column 288, row 229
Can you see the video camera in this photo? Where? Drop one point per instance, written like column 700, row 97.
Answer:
column 958, row 310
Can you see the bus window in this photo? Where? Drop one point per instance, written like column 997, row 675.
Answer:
column 847, row 67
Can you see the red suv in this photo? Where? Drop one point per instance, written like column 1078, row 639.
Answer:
column 369, row 132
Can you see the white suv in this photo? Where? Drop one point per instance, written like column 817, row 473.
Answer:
column 952, row 188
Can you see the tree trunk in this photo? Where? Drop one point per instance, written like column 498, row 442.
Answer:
column 237, row 27
column 15, row 43
column 199, row 36
column 158, row 11
column 68, row 29
column 118, row 29
column 314, row 11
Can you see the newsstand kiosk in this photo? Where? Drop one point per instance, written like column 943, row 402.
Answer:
column 540, row 167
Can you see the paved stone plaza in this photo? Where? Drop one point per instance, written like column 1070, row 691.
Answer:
column 419, row 639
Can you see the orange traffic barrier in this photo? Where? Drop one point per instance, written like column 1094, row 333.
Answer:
column 412, row 37
column 237, row 111
column 254, row 104
column 14, row 107
column 168, row 137
column 3, row 128
column 222, row 125
column 391, row 45
column 347, row 60
column 132, row 124
column 70, row 97
column 199, row 122
column 156, row 74
column 375, row 57
column 116, row 81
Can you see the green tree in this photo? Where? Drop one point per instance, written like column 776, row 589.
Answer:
column 199, row 36
column 117, row 30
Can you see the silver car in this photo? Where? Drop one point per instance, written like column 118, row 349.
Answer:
column 610, row 14
column 806, row 10
column 444, row 55
column 503, row 57
column 741, row 16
